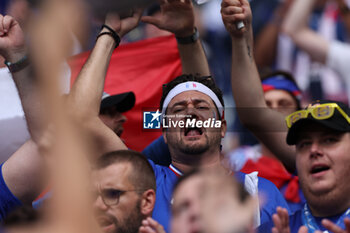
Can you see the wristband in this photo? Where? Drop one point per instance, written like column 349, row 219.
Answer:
column 112, row 33
column 189, row 39
column 17, row 66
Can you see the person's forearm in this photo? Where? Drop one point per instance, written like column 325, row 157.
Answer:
column 193, row 59
column 267, row 40
column 297, row 16
column 24, row 172
column 29, row 95
column 244, row 77
column 266, row 124
column 85, row 96
column 295, row 25
column 266, row 46
column 87, row 90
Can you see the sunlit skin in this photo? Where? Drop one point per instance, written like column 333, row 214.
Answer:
column 322, row 162
column 196, row 146
column 124, row 216
column 114, row 120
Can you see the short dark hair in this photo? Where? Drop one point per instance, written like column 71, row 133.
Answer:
column 142, row 177
column 205, row 80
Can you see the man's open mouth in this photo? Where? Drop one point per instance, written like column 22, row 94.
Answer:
column 319, row 168
column 193, row 131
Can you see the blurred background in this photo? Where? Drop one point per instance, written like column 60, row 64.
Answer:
column 273, row 50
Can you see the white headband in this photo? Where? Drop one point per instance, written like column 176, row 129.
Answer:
column 192, row 86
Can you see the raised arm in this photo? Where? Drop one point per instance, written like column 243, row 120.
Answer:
column 13, row 49
column 178, row 17
column 87, row 90
column 267, row 40
column 65, row 145
column 268, row 125
column 22, row 172
column 296, row 26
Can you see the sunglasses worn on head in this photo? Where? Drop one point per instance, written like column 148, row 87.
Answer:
column 319, row 112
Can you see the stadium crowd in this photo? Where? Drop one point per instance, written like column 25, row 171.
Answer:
column 249, row 129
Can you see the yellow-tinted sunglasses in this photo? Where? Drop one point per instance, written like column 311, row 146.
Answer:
column 319, row 112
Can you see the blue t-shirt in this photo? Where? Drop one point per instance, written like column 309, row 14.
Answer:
column 292, row 205
column 295, row 222
column 8, row 201
column 166, row 179
column 158, row 152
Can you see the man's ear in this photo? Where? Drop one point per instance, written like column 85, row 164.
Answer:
column 223, row 128
column 164, row 135
column 148, row 200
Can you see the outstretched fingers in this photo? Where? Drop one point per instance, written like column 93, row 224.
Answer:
column 281, row 221
column 150, row 225
column 329, row 225
column 226, row 3
column 151, row 20
column 229, row 10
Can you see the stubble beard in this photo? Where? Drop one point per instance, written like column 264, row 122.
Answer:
column 133, row 222
column 194, row 149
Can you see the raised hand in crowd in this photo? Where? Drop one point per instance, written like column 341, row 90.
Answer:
column 14, row 50
column 11, row 39
column 22, row 171
column 65, row 145
column 281, row 222
column 266, row 43
column 123, row 25
column 150, row 225
column 295, row 25
column 234, row 11
column 87, row 90
column 333, row 53
column 332, row 227
column 176, row 17
column 267, row 125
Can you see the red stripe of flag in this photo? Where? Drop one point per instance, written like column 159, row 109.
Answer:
column 142, row 67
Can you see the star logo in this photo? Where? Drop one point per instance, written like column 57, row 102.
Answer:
column 155, row 115
column 151, row 120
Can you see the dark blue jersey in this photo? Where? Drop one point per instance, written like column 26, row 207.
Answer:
column 8, row 201
column 166, row 179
